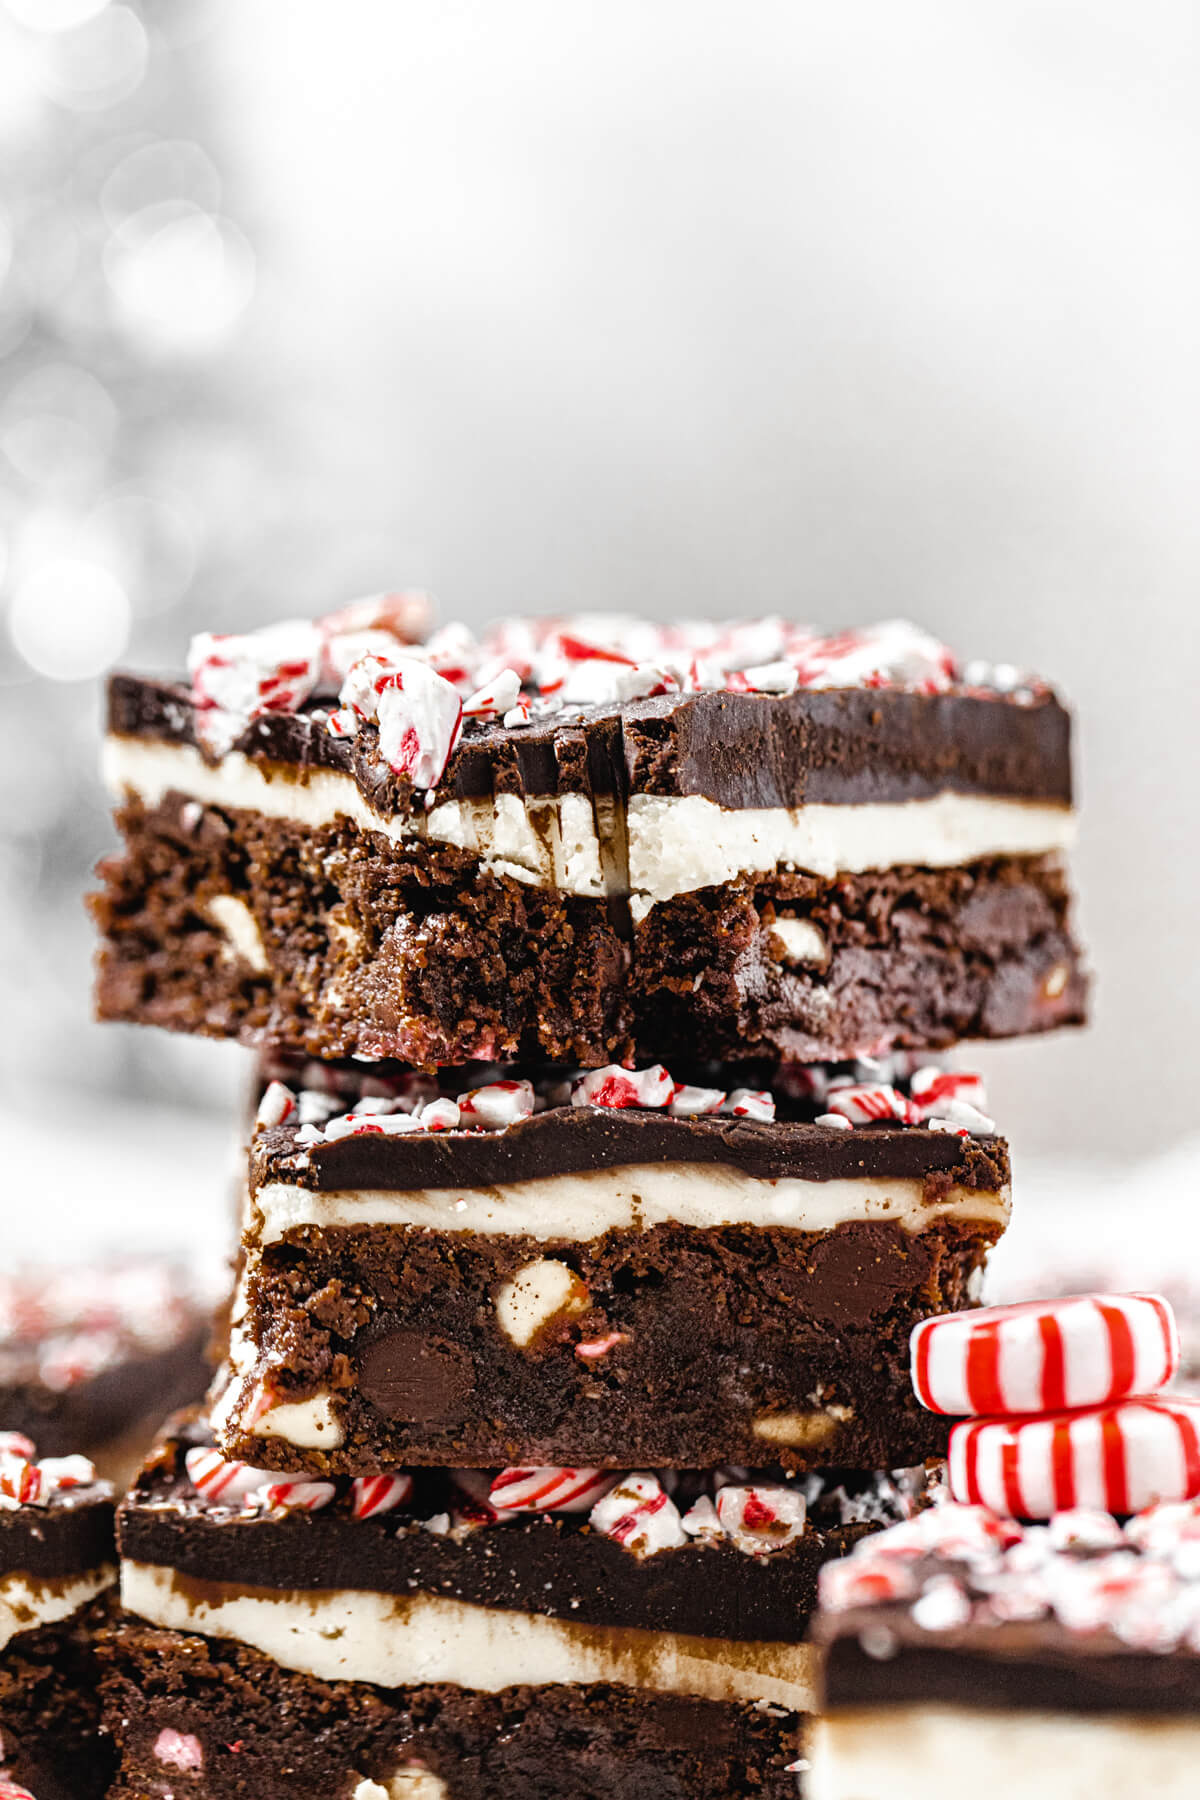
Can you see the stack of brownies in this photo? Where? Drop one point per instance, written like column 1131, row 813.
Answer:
column 601, row 1170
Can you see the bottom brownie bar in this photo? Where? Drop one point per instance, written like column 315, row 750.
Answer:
column 537, row 1631
column 57, row 1562
column 219, row 1721
column 1032, row 1660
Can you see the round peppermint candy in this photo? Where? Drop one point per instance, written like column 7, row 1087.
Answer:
column 1118, row 1458
column 1044, row 1355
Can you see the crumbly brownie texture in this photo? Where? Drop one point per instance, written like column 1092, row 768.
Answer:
column 673, row 1290
column 502, row 1540
column 341, row 942
column 90, row 1356
column 222, row 1722
column 50, row 1739
column 726, row 1345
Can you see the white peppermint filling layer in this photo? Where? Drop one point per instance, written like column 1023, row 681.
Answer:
column 933, row 1752
column 26, row 1603
column 407, row 1640
column 664, row 845
column 578, row 1208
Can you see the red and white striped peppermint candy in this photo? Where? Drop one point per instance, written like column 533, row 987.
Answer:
column 12, row 1790
column 342, row 722
column 550, row 1490
column 371, row 1495
column 295, row 1496
column 932, row 1088
column 440, row 1115
column 224, row 1483
column 1045, row 1355
column 15, row 1443
column 418, row 712
column 272, row 670
column 64, row 1472
column 749, row 1103
column 277, row 1105
column 496, row 696
column 404, row 616
column 637, row 1514
column 862, row 1105
column 761, row 1518
column 618, row 1087
column 22, row 1483
column 498, row 1104
column 693, row 1102
column 1117, row 1458
column 865, row 1581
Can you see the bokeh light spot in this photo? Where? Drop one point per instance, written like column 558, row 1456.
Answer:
column 69, row 619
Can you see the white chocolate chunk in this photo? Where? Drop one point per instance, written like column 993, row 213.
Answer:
column 536, row 1294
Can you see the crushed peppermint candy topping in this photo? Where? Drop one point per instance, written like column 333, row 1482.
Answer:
column 1136, row 1580
column 922, row 1096
column 26, row 1482
column 640, row 1510
column 526, row 667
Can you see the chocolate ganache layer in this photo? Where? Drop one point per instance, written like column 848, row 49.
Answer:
column 832, row 747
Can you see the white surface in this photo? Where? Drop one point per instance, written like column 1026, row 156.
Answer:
column 942, row 1752
column 356, row 1635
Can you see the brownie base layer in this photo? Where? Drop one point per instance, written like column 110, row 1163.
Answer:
column 240, row 1727
column 344, row 943
column 109, row 1409
column 737, row 1344
column 49, row 1710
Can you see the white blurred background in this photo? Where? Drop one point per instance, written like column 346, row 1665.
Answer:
column 845, row 311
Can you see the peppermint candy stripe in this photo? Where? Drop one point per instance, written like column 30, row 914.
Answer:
column 1117, row 1459
column 864, row 1105
column 220, row 1481
column 550, row 1490
column 1045, row 1355
column 371, row 1495
column 296, row 1496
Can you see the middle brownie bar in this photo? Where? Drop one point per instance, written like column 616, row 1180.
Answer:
column 617, row 1271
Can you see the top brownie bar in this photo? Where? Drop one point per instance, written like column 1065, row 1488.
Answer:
column 588, row 839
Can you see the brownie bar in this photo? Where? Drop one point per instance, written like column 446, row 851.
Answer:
column 814, row 872
column 219, row 1721
column 57, row 1562
column 1065, row 1653
column 93, row 1359
column 643, row 1637
column 601, row 1279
